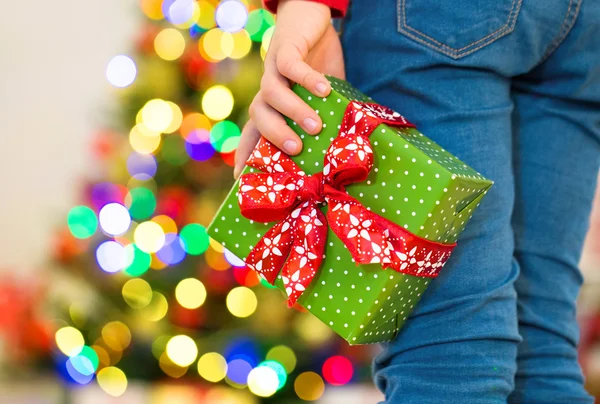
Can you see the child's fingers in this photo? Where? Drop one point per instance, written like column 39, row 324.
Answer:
column 272, row 126
column 290, row 63
column 278, row 95
column 249, row 139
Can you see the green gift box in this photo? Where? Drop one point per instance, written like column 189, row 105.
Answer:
column 414, row 183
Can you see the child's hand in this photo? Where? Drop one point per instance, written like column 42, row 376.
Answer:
column 304, row 44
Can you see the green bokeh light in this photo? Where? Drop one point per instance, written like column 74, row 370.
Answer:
column 141, row 203
column 173, row 150
column 82, row 222
column 266, row 284
column 258, row 22
column 139, row 261
column 89, row 353
column 195, row 238
column 225, row 136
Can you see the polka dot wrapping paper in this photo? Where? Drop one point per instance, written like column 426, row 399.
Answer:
column 414, row 183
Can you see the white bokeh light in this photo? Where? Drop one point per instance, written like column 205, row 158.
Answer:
column 114, row 219
column 111, row 256
column 121, row 71
column 231, row 15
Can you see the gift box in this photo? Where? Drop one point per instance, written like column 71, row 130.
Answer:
column 354, row 227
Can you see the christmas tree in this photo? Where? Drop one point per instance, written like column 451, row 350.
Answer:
column 149, row 296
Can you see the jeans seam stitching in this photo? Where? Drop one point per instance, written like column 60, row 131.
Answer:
column 567, row 25
column 447, row 50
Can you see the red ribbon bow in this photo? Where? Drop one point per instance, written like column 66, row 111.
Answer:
column 295, row 245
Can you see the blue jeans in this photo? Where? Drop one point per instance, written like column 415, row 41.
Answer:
column 513, row 88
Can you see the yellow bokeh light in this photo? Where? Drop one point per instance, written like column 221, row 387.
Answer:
column 182, row 350
column 242, row 44
column 137, row 293
column 210, row 45
column 283, row 355
column 194, row 121
column 227, row 43
column 112, row 380
column 152, row 9
column 190, row 293
column 116, row 335
column 215, row 245
column 312, row 330
column 241, row 301
column 309, row 386
column 176, row 118
column 69, row 340
column 141, row 142
column 157, row 115
column 156, row 263
column 171, row 369
column 206, row 19
column 149, row 237
column 216, row 260
column 169, row 44
column 167, row 223
column 103, row 356
column 157, row 308
column 266, row 38
column 263, row 381
column 217, row 102
column 212, row 367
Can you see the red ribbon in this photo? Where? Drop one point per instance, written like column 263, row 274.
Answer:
column 283, row 193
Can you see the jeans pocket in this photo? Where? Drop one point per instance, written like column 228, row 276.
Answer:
column 457, row 28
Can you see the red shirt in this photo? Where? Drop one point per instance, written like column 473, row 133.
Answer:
column 338, row 7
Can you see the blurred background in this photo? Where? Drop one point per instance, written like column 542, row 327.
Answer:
column 119, row 123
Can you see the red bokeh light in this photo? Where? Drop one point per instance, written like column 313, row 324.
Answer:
column 338, row 370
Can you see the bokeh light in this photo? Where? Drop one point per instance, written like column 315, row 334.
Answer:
column 111, row 256
column 157, row 115
column 198, row 146
column 121, row 71
column 152, row 9
column 169, row 44
column 166, row 222
column 309, row 386
column 138, row 261
column 176, row 118
column 212, row 367
column 83, row 365
column 195, row 238
column 283, row 355
column 149, row 237
column 143, row 140
column 140, row 202
column 82, row 222
column 266, row 40
column 263, row 381
column 241, row 301
column 279, row 371
column 116, row 335
column 216, row 260
column 190, row 293
column 112, row 380
column 183, row 13
column 225, row 136
column 207, row 15
column 173, row 250
column 138, row 163
column 173, row 151
column 231, row 15
column 242, row 44
column 157, row 309
column 114, row 219
column 137, row 293
column 232, row 259
column 69, row 340
column 238, row 370
column 193, row 122
column 182, row 350
column 76, row 375
column 338, row 370
column 171, row 369
column 217, row 102
column 258, row 22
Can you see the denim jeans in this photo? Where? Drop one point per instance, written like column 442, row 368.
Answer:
column 512, row 87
